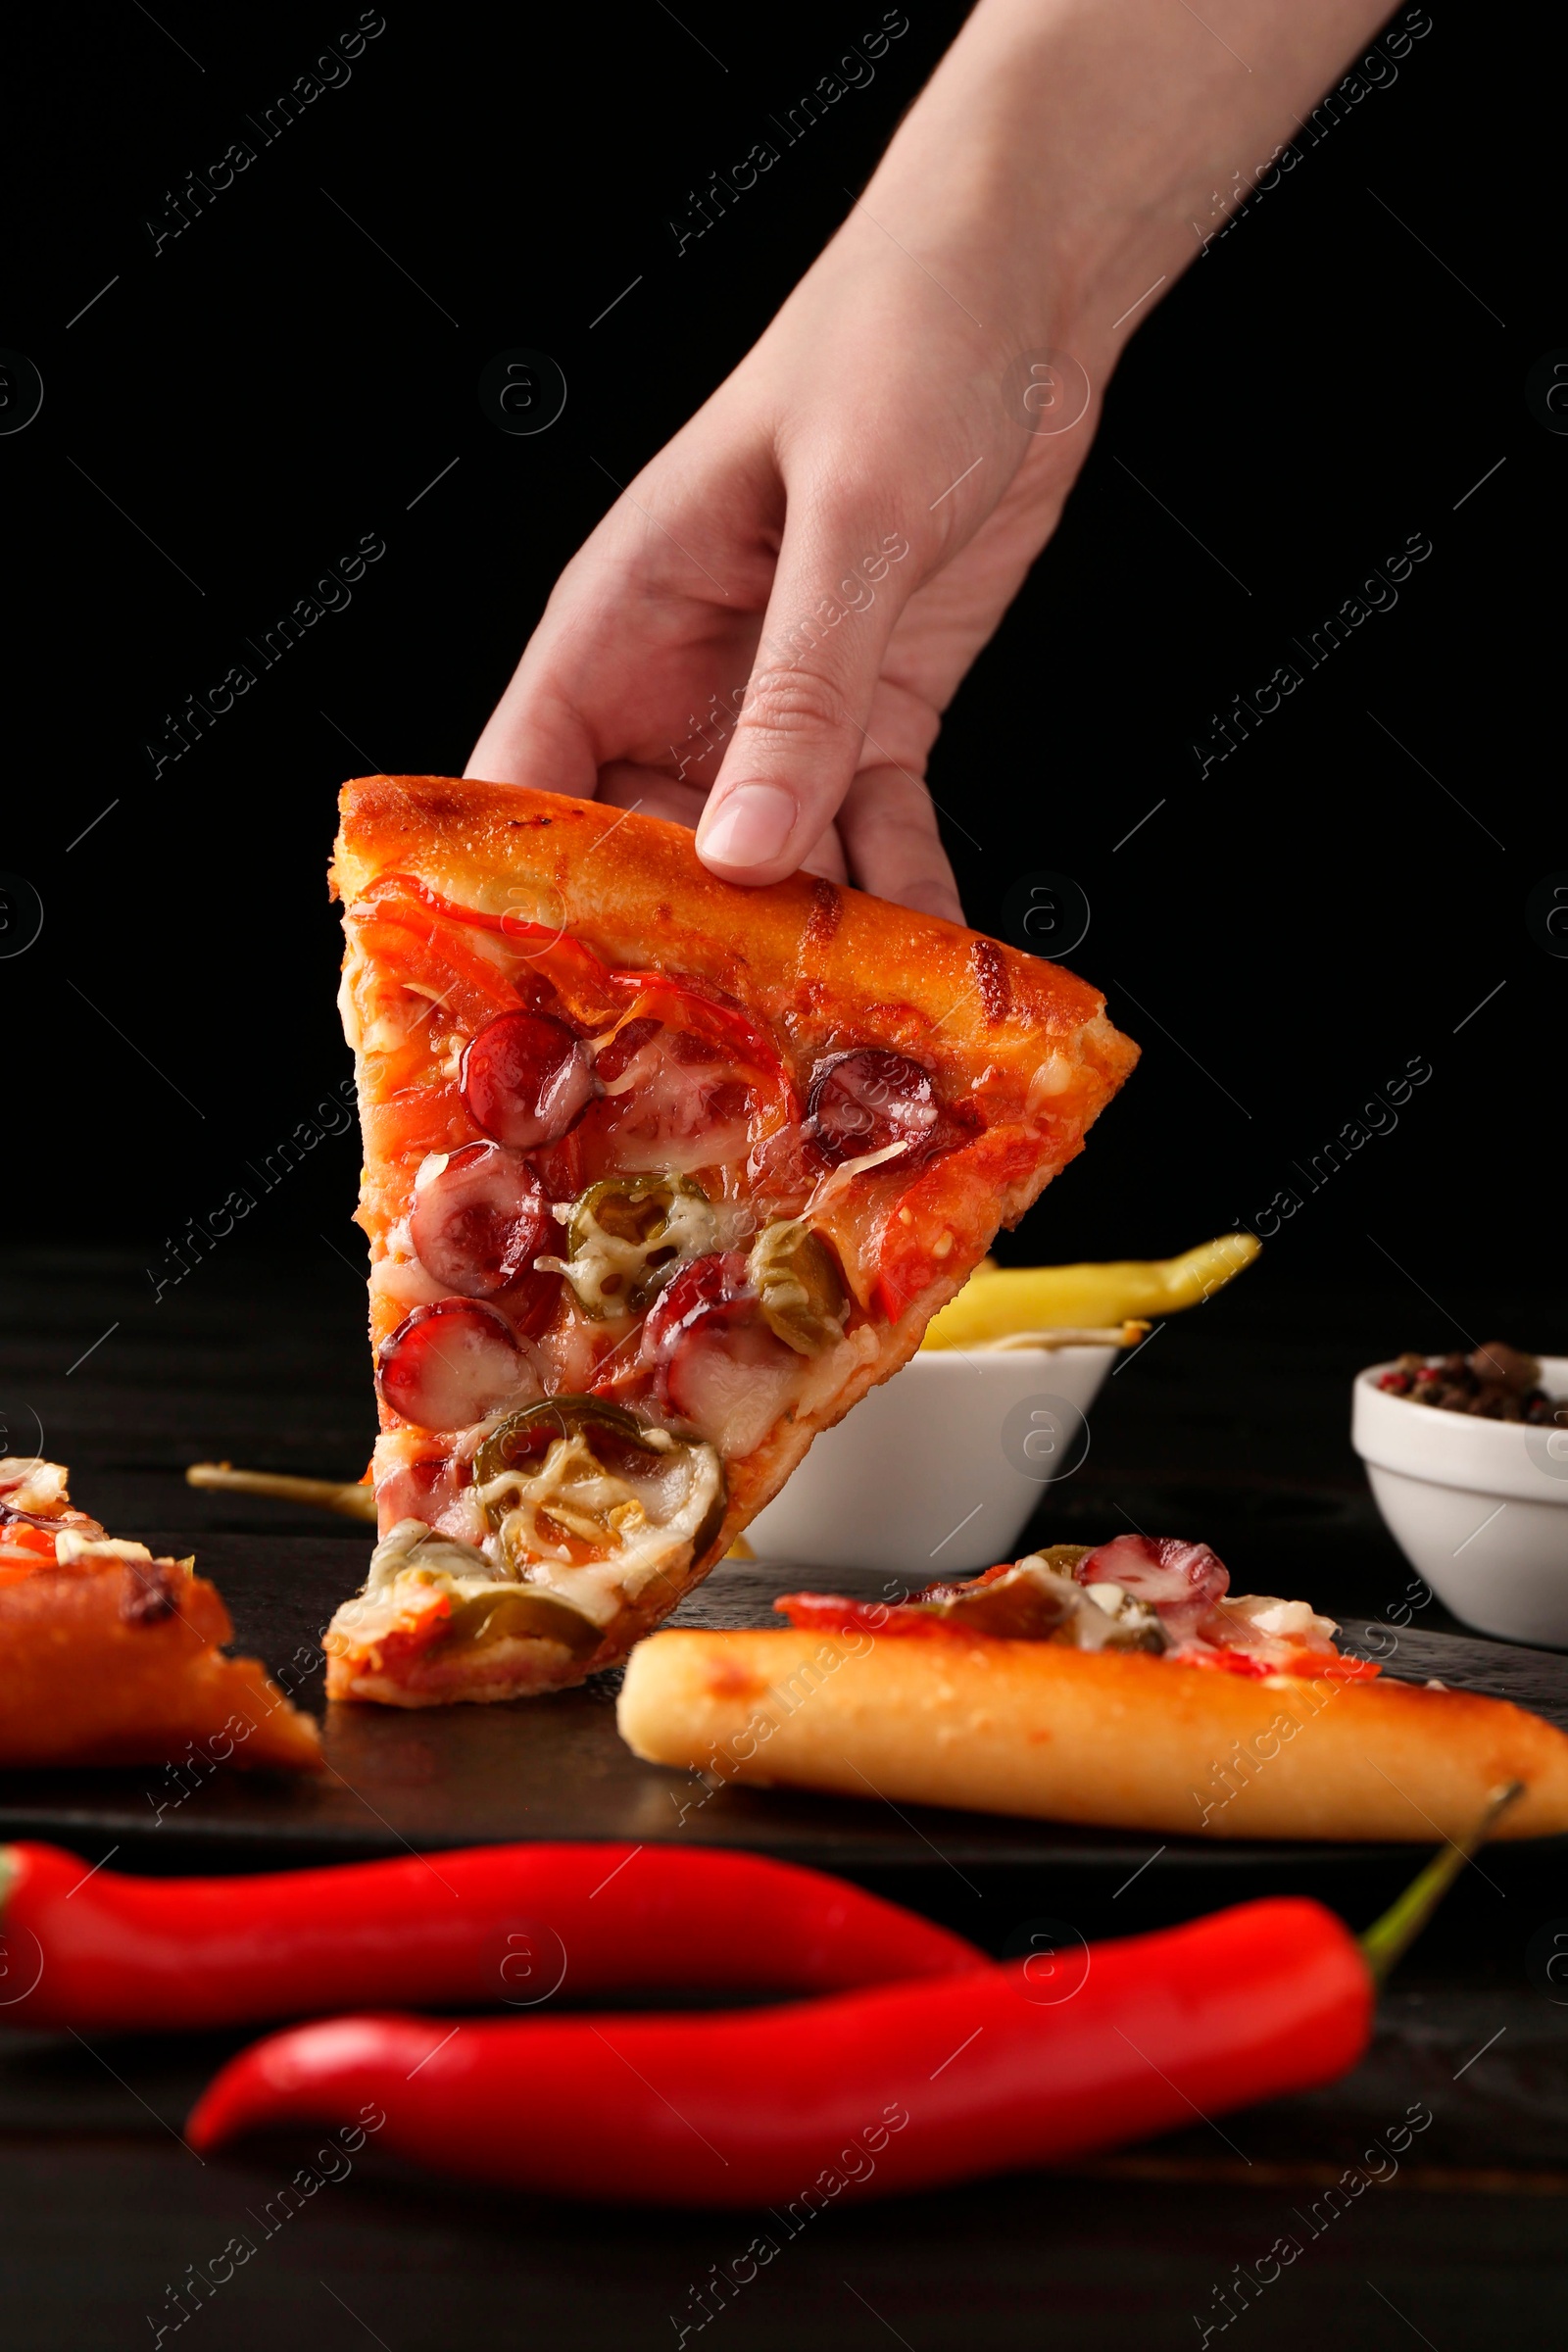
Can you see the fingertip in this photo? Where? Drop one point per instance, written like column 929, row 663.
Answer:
column 746, row 836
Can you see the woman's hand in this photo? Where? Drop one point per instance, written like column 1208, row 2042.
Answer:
column 784, row 600
column 760, row 637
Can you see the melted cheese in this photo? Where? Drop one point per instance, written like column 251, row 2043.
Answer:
column 689, row 1229
column 347, row 1005
column 1052, row 1077
column 1294, row 1620
column 840, row 1177
column 411, row 1568
column 410, row 1543
column 29, row 1485
column 400, row 1276
column 71, row 1546
column 666, row 1124
column 648, row 1523
column 834, row 1370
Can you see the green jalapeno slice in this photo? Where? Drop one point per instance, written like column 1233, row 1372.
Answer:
column 799, row 1286
column 520, row 1611
column 527, row 1435
column 626, row 1235
column 574, row 1480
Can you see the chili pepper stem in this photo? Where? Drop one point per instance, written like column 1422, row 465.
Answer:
column 349, row 1501
column 1387, row 1940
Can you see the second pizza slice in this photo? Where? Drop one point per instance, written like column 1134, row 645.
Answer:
column 660, row 1176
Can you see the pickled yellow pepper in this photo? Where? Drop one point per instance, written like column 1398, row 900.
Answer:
column 996, row 1303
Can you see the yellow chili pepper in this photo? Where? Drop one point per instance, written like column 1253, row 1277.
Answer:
column 997, row 1302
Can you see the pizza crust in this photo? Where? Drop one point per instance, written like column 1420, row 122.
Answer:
column 951, row 991
column 89, row 1676
column 517, row 1667
column 1051, row 1732
column 823, row 970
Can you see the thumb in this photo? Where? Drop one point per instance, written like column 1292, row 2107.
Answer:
column 838, row 590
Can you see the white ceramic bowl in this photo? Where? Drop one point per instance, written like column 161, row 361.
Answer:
column 936, row 1472
column 1478, row 1509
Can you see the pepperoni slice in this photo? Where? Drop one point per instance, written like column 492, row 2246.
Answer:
column 428, row 1489
column 866, row 1099
column 448, row 1365
column 734, row 1383
column 532, row 1301
column 525, row 1079
column 479, row 1222
column 1182, row 1581
column 719, row 1366
column 709, row 1292
column 674, row 1099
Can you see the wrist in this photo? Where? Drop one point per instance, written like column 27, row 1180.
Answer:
column 1058, row 157
column 1002, row 190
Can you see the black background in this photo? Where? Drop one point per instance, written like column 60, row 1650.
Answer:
column 1282, row 937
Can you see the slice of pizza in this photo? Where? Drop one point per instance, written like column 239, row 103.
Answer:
column 1123, row 1686
column 111, row 1657
column 660, row 1175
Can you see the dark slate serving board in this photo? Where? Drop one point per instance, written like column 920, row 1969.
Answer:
column 556, row 1767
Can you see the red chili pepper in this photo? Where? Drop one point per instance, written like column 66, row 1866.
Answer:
column 486, row 1926
column 402, row 934
column 905, row 2087
column 916, row 1233
column 581, row 977
column 838, row 2095
column 679, row 1005
column 590, row 987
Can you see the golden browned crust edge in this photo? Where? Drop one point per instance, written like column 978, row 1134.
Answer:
column 1127, row 1741
column 80, row 1685
column 465, row 834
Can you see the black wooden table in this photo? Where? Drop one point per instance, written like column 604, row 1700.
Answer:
column 1230, row 1425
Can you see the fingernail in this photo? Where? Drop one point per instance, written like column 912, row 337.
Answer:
column 750, row 827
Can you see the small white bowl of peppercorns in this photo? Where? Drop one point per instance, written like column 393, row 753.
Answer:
column 1467, row 1455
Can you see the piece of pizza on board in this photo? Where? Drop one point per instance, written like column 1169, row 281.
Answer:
column 660, row 1175
column 111, row 1657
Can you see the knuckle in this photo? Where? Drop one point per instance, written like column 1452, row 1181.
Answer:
column 791, row 704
